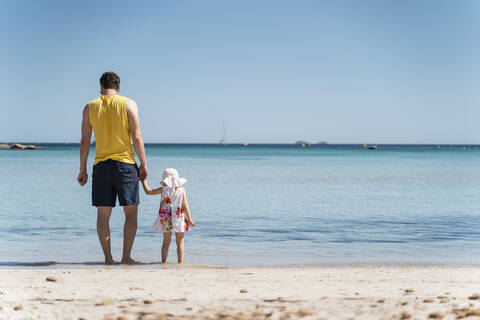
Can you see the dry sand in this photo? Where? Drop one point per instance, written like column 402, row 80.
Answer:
column 202, row 292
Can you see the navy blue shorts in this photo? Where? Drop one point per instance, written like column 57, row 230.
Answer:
column 112, row 178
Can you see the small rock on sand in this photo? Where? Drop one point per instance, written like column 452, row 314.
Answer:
column 435, row 315
column 409, row 290
column 460, row 313
column 222, row 314
column 244, row 291
column 473, row 312
column 121, row 318
column 381, row 300
column 428, row 300
column 303, row 313
column 474, row 297
column 16, row 308
column 147, row 301
column 405, row 315
column 104, row 302
column 51, row 279
column 404, row 303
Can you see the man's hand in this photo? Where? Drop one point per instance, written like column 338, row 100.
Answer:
column 82, row 178
column 142, row 172
column 84, row 147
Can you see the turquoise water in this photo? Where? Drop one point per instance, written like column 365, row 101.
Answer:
column 258, row 205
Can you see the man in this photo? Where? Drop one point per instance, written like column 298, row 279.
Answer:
column 114, row 120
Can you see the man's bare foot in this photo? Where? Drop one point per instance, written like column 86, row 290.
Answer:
column 128, row 261
column 110, row 262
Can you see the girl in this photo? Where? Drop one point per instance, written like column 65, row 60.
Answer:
column 174, row 213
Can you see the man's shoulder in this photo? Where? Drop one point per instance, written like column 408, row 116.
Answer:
column 130, row 104
column 128, row 100
column 95, row 101
column 123, row 98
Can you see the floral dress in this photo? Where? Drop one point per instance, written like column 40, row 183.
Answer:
column 171, row 217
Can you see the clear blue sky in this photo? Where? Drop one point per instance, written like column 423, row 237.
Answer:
column 276, row 71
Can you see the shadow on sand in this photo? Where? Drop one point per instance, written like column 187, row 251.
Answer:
column 88, row 264
column 57, row 263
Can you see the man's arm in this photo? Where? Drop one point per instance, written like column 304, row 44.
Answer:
column 132, row 113
column 84, row 147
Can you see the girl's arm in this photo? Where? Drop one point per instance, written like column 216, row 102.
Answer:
column 149, row 191
column 187, row 209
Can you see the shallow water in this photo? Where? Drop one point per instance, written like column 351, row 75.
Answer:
column 258, row 205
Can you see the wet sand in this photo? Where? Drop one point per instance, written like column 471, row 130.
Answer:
column 388, row 291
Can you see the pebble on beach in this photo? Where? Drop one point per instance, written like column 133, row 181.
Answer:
column 428, row 300
column 256, row 314
column 473, row 312
column 474, row 297
column 147, row 301
column 409, row 290
column 104, row 302
column 435, row 315
column 16, row 308
column 244, row 291
column 303, row 313
column 51, row 279
column 405, row 315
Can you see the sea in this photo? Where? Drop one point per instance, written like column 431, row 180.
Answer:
column 256, row 205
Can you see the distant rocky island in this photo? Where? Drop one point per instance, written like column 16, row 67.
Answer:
column 18, row 146
column 306, row 143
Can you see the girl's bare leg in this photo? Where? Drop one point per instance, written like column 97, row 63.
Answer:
column 167, row 237
column 180, row 250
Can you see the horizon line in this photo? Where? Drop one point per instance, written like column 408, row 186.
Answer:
column 265, row 143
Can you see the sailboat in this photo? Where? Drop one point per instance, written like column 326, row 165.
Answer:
column 224, row 136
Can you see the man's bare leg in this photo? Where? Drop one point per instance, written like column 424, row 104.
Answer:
column 179, row 239
column 129, row 232
column 167, row 237
column 103, row 230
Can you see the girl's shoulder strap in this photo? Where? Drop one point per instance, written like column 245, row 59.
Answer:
column 179, row 190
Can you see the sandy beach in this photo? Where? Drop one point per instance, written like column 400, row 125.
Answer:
column 363, row 291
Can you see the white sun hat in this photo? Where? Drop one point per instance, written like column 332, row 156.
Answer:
column 171, row 179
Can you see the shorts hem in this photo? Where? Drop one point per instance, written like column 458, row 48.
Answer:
column 129, row 204
column 103, row 205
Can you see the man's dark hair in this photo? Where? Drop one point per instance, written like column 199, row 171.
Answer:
column 110, row 80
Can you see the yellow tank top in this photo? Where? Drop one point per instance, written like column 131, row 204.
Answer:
column 108, row 118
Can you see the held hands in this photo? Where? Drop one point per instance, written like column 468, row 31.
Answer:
column 82, row 178
column 142, row 172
